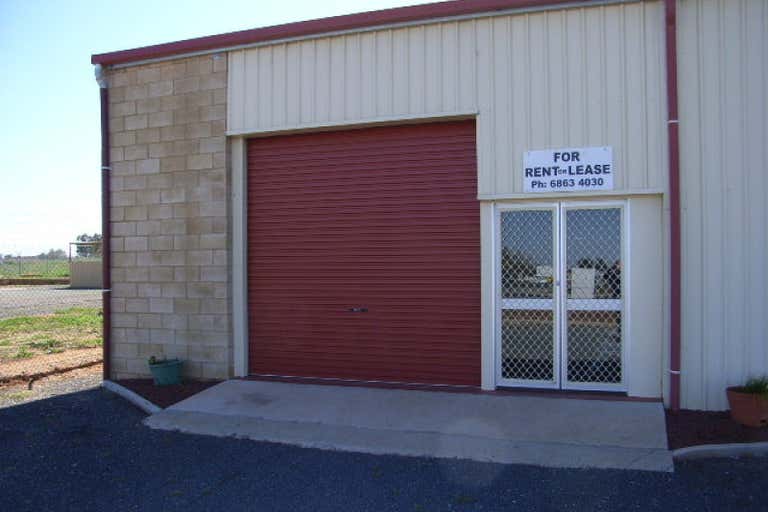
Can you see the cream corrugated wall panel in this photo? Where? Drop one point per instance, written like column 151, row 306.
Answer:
column 723, row 58
column 236, row 89
column 322, row 90
column 571, row 77
column 368, row 75
column 293, row 86
column 279, row 85
column 467, row 71
column 353, row 62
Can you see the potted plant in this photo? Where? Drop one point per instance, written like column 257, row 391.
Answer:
column 165, row 372
column 749, row 403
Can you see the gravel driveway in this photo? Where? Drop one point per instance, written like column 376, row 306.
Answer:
column 40, row 300
column 53, row 385
column 90, row 451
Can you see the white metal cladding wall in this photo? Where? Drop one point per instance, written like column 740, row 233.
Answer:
column 723, row 59
column 571, row 77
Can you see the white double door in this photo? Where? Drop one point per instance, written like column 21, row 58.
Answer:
column 560, row 295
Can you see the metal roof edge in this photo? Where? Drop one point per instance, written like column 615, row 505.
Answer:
column 341, row 23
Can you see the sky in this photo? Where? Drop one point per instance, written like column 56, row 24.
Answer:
column 49, row 129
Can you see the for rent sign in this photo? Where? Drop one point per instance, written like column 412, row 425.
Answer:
column 568, row 170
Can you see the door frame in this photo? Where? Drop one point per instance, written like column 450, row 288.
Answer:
column 558, row 207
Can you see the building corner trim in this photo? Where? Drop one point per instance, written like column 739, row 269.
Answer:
column 239, row 199
column 106, row 231
column 670, row 17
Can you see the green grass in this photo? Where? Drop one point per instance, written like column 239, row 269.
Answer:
column 23, row 353
column 11, row 269
column 48, row 345
column 28, row 336
column 16, row 396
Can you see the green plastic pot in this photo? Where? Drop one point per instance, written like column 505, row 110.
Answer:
column 166, row 373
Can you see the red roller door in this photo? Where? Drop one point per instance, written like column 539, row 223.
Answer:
column 364, row 254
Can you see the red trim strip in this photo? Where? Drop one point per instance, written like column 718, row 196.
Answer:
column 319, row 26
column 106, row 238
column 674, row 206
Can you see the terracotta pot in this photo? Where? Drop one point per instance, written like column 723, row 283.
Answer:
column 748, row 409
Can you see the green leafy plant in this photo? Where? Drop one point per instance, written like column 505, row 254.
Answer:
column 756, row 386
column 154, row 360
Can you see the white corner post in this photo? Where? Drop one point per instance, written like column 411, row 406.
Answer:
column 488, row 298
column 239, row 256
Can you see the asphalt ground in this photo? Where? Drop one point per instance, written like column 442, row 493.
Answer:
column 45, row 299
column 88, row 450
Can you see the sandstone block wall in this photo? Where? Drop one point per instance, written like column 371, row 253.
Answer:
column 170, row 242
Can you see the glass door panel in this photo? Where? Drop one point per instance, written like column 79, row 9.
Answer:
column 553, row 334
column 528, row 344
column 594, row 297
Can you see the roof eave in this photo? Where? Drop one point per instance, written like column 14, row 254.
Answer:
column 317, row 27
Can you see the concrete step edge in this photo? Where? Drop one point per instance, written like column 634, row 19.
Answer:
column 729, row 450
column 137, row 400
column 174, row 409
column 418, row 444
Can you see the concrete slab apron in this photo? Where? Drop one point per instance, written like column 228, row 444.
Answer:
column 507, row 429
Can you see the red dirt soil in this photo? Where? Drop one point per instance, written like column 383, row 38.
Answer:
column 693, row 428
column 48, row 364
column 165, row 396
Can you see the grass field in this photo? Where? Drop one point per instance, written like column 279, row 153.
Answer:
column 27, row 336
column 33, row 267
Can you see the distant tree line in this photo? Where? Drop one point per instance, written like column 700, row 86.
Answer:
column 52, row 254
column 88, row 251
column 83, row 251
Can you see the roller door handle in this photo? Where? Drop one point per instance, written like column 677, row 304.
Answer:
column 358, row 310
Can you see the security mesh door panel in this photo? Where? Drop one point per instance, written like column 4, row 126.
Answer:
column 594, row 301
column 364, row 254
column 527, row 293
column 527, row 347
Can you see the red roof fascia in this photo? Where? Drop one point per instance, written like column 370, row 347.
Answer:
column 319, row 26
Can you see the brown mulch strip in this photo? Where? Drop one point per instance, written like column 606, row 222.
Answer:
column 49, row 364
column 33, row 281
column 693, row 428
column 165, row 396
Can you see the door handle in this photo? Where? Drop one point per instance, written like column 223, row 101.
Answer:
column 358, row 310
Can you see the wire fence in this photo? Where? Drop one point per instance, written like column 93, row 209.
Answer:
column 50, row 317
column 29, row 267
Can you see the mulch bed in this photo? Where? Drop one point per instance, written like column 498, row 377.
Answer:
column 165, row 396
column 693, row 428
